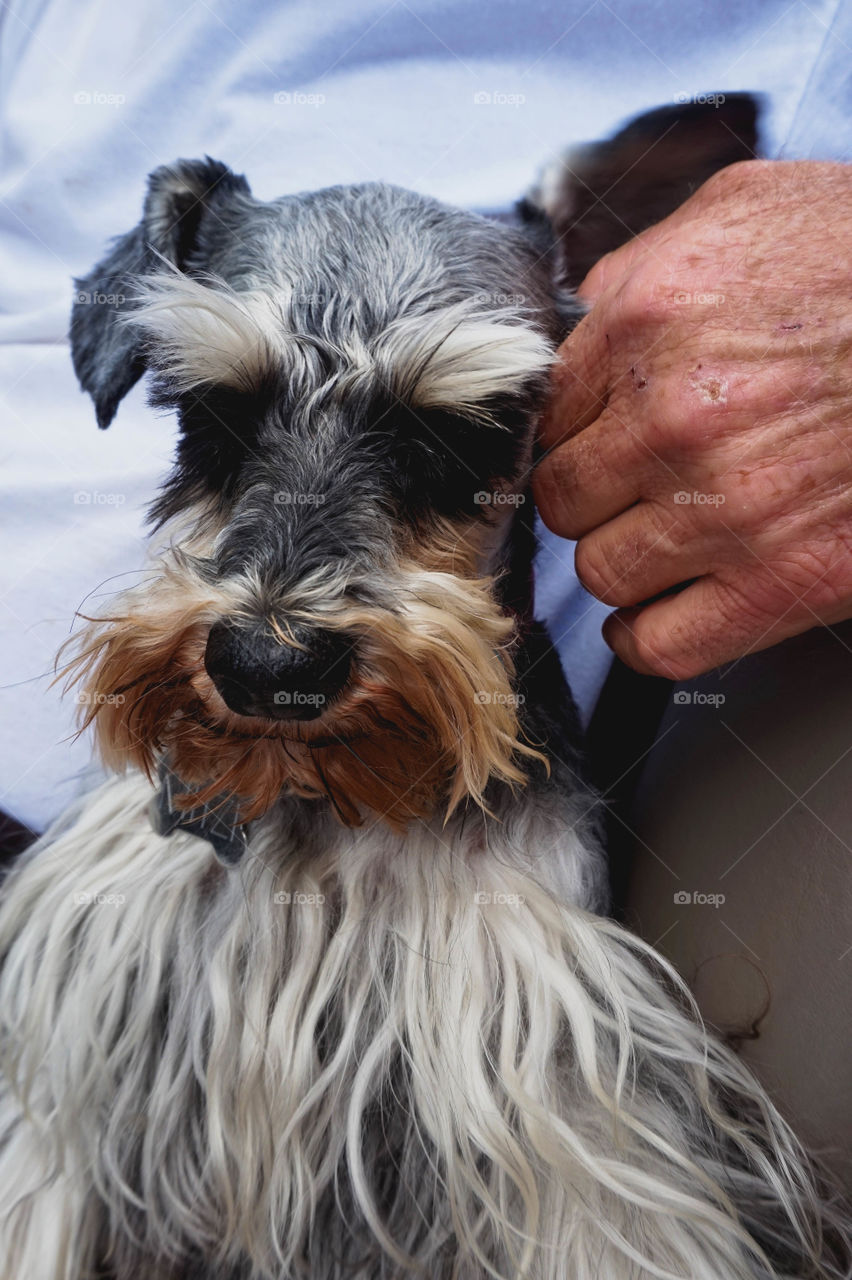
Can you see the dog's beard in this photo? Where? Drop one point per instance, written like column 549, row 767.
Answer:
column 427, row 720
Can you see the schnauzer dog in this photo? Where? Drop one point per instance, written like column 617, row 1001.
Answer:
column 322, row 984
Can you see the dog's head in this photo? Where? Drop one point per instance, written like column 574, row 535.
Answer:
column 356, row 373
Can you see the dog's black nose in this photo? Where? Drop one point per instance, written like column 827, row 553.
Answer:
column 259, row 674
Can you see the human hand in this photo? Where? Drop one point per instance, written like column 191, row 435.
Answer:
column 700, row 426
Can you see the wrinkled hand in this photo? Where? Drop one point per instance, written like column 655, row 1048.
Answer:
column 700, row 426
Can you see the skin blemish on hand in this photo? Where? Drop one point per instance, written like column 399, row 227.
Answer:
column 639, row 379
column 711, row 390
column 789, row 328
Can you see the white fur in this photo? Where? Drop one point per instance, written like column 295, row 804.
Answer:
column 471, row 357
column 553, row 192
column 206, row 332
column 194, row 1065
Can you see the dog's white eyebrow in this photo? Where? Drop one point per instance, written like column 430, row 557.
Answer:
column 458, row 358
column 205, row 332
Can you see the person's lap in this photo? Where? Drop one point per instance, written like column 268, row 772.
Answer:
column 741, row 851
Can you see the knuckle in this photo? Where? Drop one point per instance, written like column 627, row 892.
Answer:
column 555, row 490
column 571, row 482
column 688, row 420
column 741, row 176
column 667, row 650
column 594, row 569
column 655, row 436
column 724, row 179
column 745, row 604
column 601, row 273
column 618, row 568
column 815, row 574
column 583, row 471
column 581, row 367
column 754, row 170
column 645, row 301
column 662, row 530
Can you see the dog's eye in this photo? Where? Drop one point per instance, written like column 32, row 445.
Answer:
column 212, row 409
column 230, row 419
column 445, row 458
column 218, row 433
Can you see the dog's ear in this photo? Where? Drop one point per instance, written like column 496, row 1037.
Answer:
column 597, row 196
column 182, row 206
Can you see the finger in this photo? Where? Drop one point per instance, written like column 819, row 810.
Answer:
column 579, row 383
column 641, row 553
column 708, row 623
column 592, row 478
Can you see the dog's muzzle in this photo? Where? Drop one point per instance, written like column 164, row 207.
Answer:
column 292, row 674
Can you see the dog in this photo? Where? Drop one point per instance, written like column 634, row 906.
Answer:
column 322, row 982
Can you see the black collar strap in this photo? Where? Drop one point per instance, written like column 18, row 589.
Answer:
column 216, row 823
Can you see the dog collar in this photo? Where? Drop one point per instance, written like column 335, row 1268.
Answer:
column 216, row 823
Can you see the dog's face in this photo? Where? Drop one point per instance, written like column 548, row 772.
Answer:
column 356, row 375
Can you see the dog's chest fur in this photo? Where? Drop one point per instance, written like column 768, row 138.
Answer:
column 311, row 1011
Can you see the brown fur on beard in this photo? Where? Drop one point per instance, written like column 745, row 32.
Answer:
column 428, row 719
